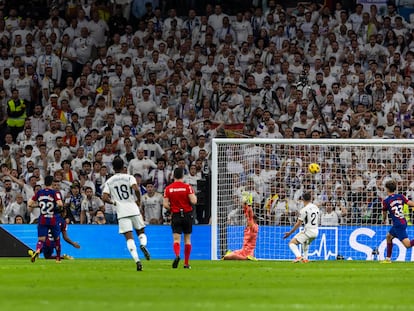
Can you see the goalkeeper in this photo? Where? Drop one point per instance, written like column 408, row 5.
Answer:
column 250, row 232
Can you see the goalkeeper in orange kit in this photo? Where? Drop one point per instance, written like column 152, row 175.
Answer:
column 250, row 232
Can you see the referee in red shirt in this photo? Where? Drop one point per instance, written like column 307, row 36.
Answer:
column 178, row 199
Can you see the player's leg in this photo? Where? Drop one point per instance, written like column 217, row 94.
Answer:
column 125, row 228
column 389, row 238
column 407, row 242
column 41, row 234
column 188, row 229
column 403, row 237
column 139, row 225
column 176, row 248
column 236, row 255
column 56, row 236
column 293, row 245
column 299, row 238
column 187, row 249
column 305, row 247
column 48, row 251
column 177, row 230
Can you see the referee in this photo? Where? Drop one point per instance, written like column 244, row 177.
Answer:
column 178, row 199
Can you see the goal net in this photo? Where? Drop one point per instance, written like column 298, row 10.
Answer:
column 348, row 190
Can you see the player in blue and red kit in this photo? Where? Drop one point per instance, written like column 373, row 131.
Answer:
column 393, row 204
column 50, row 245
column 50, row 203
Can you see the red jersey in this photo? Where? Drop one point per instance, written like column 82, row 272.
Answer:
column 177, row 193
column 250, row 232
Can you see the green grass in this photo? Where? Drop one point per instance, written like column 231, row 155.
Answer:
column 211, row 285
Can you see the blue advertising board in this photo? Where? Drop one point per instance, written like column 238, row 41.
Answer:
column 104, row 241
column 351, row 242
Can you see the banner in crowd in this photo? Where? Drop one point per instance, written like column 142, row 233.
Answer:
column 381, row 5
column 232, row 130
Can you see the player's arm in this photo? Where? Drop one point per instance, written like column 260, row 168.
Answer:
column 68, row 240
column 248, row 213
column 166, row 203
column 193, row 198
column 32, row 203
column 106, row 197
column 295, row 227
column 59, row 203
column 137, row 194
column 384, row 214
column 384, row 217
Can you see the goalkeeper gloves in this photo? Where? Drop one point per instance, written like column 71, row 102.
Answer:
column 247, row 198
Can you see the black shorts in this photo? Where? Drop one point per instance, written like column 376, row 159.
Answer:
column 182, row 223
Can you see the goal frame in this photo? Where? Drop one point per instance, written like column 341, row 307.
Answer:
column 215, row 167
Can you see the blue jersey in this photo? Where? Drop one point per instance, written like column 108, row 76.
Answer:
column 47, row 202
column 394, row 205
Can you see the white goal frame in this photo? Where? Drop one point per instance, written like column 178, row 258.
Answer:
column 217, row 167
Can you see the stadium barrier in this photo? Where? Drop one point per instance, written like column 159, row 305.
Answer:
column 350, row 242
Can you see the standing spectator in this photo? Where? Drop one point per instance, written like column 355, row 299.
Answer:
column 160, row 177
column 49, row 59
column 117, row 192
column 98, row 29
column 152, row 205
column 329, row 217
column 24, row 84
column 73, row 203
column 83, row 46
column 178, row 199
column 16, row 114
column 17, row 207
column 99, row 218
column 90, row 204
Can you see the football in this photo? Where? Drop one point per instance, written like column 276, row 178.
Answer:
column 314, row 168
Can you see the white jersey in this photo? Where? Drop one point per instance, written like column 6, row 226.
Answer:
column 152, row 206
column 119, row 187
column 309, row 215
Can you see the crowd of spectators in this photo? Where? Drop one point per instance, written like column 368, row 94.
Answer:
column 348, row 189
column 97, row 79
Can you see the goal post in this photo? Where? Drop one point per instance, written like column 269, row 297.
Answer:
column 348, row 190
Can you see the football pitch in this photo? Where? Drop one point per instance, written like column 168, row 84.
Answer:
column 210, row 285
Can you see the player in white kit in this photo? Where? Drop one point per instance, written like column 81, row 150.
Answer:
column 121, row 190
column 309, row 218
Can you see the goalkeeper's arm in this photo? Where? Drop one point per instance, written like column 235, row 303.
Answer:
column 248, row 212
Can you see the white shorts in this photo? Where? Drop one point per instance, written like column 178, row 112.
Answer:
column 306, row 236
column 126, row 224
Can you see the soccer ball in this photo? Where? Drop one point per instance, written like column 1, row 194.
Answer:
column 314, row 168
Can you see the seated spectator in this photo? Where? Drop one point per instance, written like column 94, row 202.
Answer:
column 328, row 216
column 99, row 218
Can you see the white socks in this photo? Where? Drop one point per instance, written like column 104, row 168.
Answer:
column 305, row 247
column 132, row 249
column 295, row 250
column 142, row 239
